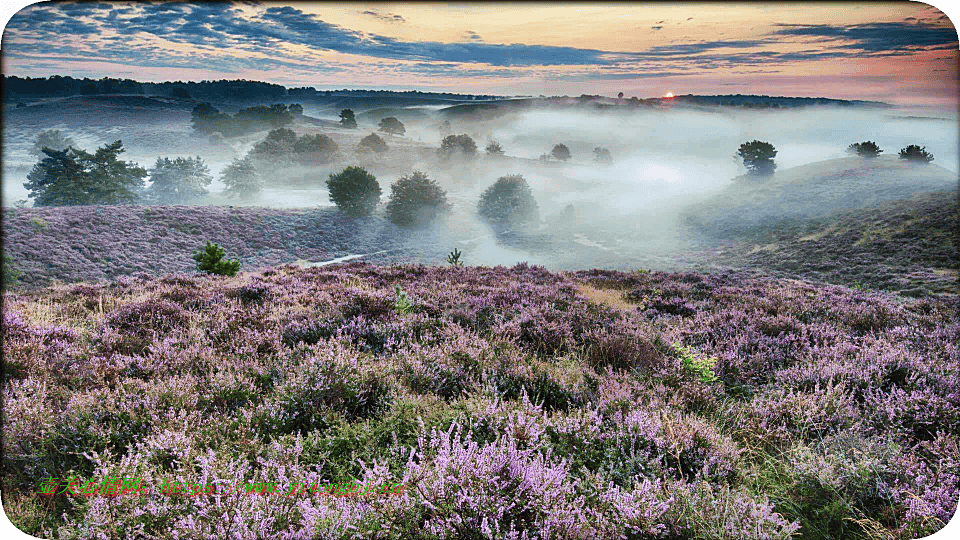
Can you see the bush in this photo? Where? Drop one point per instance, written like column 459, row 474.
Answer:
column 392, row 125
column 457, row 144
column 211, row 261
column 241, row 178
column 508, row 201
column 494, row 149
column 416, row 200
column 355, row 191
column 916, row 153
column 758, row 157
column 375, row 143
column 10, row 274
column 560, row 152
column 866, row 149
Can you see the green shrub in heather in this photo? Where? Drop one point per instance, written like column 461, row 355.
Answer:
column 211, row 261
column 416, row 200
column 509, row 202
column 355, row 191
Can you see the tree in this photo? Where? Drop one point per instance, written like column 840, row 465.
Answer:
column 296, row 109
column 317, row 147
column 355, row 191
column 866, row 149
column 278, row 144
column 208, row 119
column 602, row 155
column 494, row 149
column 561, row 152
column 508, row 201
column 347, row 119
column 241, row 178
column 210, row 260
column 374, row 142
column 392, row 125
column 76, row 177
column 416, row 200
column 282, row 136
column 916, row 153
column 179, row 180
column 758, row 157
column 457, row 144
column 53, row 139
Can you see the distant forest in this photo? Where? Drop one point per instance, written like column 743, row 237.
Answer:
column 56, row 86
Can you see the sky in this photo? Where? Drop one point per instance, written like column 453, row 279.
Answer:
column 898, row 52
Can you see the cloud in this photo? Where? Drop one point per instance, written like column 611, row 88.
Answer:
column 889, row 37
column 389, row 17
column 656, row 27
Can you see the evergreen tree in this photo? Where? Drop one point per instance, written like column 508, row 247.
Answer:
column 347, row 119
column 242, row 179
column 866, row 149
column 179, row 180
column 76, row 177
column 211, row 261
column 916, row 153
column 758, row 157
column 494, row 149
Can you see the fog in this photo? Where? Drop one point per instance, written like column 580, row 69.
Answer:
column 624, row 213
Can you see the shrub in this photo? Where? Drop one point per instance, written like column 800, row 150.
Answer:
column 866, row 149
column 416, row 200
column 916, row 153
column 375, row 143
column 508, row 201
column 211, row 261
column 454, row 258
column 10, row 274
column 354, row 190
column 241, row 178
column 560, row 152
column 494, row 149
column 758, row 157
column 457, row 144
column 392, row 125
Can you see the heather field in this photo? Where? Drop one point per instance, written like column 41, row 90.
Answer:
column 508, row 403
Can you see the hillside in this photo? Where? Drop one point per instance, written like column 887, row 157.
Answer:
column 569, row 406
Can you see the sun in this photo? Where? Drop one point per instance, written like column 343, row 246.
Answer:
column 668, row 95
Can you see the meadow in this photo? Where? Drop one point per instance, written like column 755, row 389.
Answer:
column 510, row 402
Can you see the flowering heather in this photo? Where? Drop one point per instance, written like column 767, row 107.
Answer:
column 509, row 402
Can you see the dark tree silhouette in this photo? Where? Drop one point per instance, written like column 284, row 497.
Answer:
column 76, row 177
column 508, row 202
column 457, row 144
column 866, row 149
column 375, row 143
column 416, row 200
column 758, row 157
column 392, row 125
column 560, row 152
column 347, row 119
column 355, row 191
column 916, row 153
column 494, row 149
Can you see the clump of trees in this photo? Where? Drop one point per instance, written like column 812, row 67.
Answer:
column 374, row 142
column 52, row 139
column 454, row 145
column 508, row 202
column 560, row 152
column 866, row 149
column 242, row 179
column 758, row 157
column 208, row 119
column 602, row 155
column 75, row 177
column 179, row 180
column 494, row 149
column 416, row 200
column 210, row 260
column 393, row 126
column 347, row 119
column 355, row 191
column 282, row 144
column 916, row 153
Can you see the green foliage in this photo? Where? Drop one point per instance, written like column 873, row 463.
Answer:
column 391, row 125
column 211, row 261
column 317, row 147
column 296, row 109
column 696, row 364
column 454, row 258
column 347, row 119
column 452, row 145
column 866, row 149
column 508, row 201
column 52, row 139
column 758, row 157
column 374, row 142
column 39, row 224
column 560, row 152
column 241, row 178
column 916, row 153
column 416, row 200
column 178, row 181
column 403, row 305
column 75, row 177
column 494, row 149
column 208, row 119
column 10, row 273
column 602, row 155
column 354, row 190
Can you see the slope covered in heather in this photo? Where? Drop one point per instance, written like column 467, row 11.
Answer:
column 503, row 399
